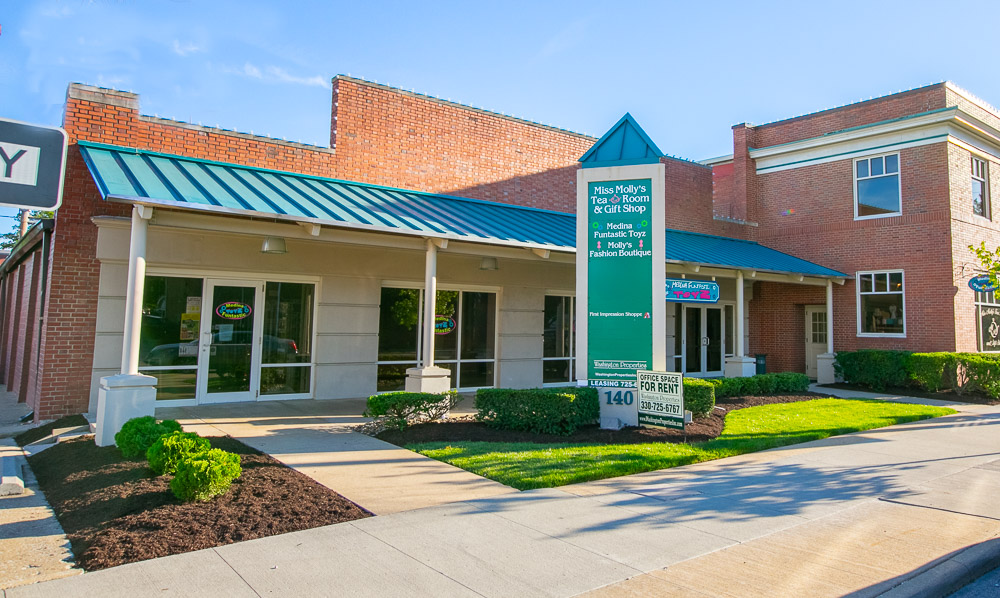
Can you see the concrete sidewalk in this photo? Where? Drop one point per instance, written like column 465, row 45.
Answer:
column 316, row 438
column 857, row 513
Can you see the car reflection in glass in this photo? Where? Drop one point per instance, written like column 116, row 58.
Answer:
column 237, row 346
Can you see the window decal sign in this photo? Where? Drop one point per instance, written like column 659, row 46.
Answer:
column 981, row 284
column 692, row 291
column 444, row 325
column 233, row 310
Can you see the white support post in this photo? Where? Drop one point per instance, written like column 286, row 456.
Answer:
column 428, row 377
column 129, row 394
column 133, row 294
column 430, row 303
column 825, row 374
column 739, row 365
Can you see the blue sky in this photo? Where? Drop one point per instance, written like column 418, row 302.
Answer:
column 686, row 70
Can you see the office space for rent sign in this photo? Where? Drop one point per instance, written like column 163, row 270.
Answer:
column 619, row 281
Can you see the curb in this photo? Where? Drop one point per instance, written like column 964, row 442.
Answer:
column 950, row 573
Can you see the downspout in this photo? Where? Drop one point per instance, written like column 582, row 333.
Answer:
column 42, row 297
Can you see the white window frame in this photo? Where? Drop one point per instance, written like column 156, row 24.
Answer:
column 983, row 299
column 857, row 279
column 458, row 347
column 899, row 183
column 984, row 177
column 572, row 345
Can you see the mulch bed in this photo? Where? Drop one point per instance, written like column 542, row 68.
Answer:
column 29, row 436
column 947, row 395
column 117, row 511
column 701, row 429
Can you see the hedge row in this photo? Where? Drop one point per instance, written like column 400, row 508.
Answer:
column 761, row 384
column 539, row 410
column 961, row 372
column 400, row 409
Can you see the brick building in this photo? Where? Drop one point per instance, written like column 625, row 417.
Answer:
column 311, row 261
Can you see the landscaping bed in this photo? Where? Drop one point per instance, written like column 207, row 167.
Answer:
column 909, row 391
column 117, row 511
column 775, row 422
column 465, row 428
column 39, row 432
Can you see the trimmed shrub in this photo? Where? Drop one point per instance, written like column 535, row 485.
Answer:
column 791, row 382
column 538, row 410
column 139, row 433
column 873, row 368
column 399, row 409
column 173, row 448
column 978, row 372
column 699, row 396
column 932, row 371
column 208, row 474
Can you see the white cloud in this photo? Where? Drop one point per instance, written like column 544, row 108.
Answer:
column 275, row 74
column 183, row 49
column 53, row 12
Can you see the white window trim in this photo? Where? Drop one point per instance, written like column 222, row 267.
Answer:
column 420, row 325
column 899, row 183
column 857, row 293
column 987, row 196
column 572, row 347
column 980, row 301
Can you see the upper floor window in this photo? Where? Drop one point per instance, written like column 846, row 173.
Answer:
column 876, row 187
column 881, row 304
column 980, row 188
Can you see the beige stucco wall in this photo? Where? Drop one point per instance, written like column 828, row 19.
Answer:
column 350, row 276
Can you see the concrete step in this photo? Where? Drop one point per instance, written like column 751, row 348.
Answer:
column 11, row 476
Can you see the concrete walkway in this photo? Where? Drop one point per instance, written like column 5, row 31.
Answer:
column 858, row 513
column 315, row 437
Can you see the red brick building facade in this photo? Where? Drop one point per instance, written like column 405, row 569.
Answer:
column 789, row 185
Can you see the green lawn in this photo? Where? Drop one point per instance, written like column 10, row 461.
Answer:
column 528, row 465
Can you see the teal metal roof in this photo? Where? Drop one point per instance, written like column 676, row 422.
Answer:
column 159, row 179
column 624, row 144
column 710, row 250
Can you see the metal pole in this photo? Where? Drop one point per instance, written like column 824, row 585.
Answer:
column 133, row 297
column 829, row 317
column 430, row 303
column 739, row 314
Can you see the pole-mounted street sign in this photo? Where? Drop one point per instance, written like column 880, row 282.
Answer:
column 32, row 164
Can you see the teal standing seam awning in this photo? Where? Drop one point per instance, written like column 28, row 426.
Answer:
column 153, row 178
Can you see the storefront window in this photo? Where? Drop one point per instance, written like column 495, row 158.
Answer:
column 288, row 315
column 880, row 302
column 558, row 340
column 988, row 321
column 464, row 336
column 168, row 335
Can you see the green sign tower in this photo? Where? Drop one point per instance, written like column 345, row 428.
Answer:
column 621, row 308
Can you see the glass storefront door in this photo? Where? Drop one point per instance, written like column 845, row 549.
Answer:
column 230, row 342
column 702, row 350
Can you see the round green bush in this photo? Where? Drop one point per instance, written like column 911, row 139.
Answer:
column 139, row 433
column 699, row 396
column 208, row 474
column 173, row 448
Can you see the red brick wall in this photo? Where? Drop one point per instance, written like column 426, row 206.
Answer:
column 777, row 323
column 822, row 229
column 389, row 137
column 969, row 229
column 897, row 105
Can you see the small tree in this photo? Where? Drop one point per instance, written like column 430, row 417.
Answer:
column 9, row 240
column 989, row 260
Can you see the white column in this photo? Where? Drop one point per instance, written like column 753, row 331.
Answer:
column 825, row 372
column 740, row 318
column 739, row 365
column 133, row 295
column 129, row 394
column 430, row 303
column 829, row 316
column 427, row 377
